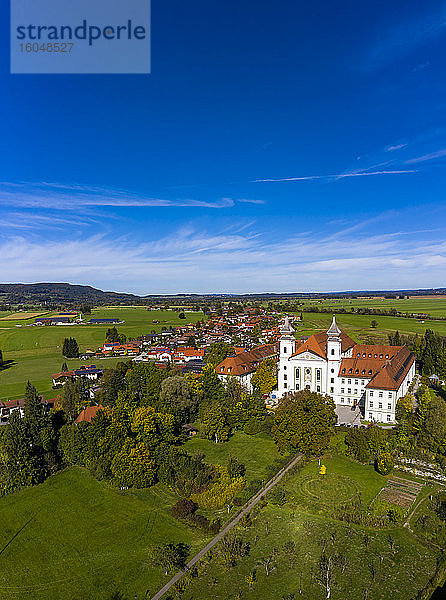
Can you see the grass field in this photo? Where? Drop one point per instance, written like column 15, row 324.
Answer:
column 75, row 538
column 256, row 452
column 36, row 352
column 390, row 564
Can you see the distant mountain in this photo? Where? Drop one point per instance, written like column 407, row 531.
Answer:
column 36, row 293
column 66, row 293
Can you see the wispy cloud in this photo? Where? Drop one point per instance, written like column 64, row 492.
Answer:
column 248, row 201
column 426, row 157
column 395, row 147
column 59, row 196
column 362, row 173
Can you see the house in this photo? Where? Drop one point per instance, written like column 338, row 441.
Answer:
column 90, row 372
column 371, row 377
column 8, row 407
column 244, row 365
column 88, row 414
column 187, row 354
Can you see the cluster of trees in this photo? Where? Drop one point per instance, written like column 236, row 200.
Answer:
column 113, row 335
column 29, row 446
column 430, row 350
column 70, row 348
column 304, row 421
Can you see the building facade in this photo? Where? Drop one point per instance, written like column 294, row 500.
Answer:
column 371, row 377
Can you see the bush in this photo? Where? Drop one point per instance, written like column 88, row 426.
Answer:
column 277, row 496
column 235, row 468
column 384, row 463
column 221, row 491
column 253, row 426
column 183, row 508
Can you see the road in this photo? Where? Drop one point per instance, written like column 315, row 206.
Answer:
column 232, row 523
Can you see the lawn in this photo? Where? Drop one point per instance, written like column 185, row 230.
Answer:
column 256, row 452
column 76, row 538
column 36, row 352
column 344, row 480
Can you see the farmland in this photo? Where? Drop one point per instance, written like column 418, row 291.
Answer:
column 36, row 352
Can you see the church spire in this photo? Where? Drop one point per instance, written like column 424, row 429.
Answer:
column 334, row 329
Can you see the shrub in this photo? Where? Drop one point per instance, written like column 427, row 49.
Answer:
column 277, row 496
column 384, row 463
column 252, row 427
column 221, row 491
column 183, row 508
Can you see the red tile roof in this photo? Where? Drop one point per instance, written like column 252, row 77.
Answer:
column 317, row 343
column 88, row 413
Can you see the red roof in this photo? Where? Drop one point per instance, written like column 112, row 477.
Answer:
column 88, row 414
column 317, row 343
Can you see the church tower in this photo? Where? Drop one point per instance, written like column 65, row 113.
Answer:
column 333, row 358
column 287, row 340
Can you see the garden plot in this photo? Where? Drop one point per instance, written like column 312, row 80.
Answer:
column 399, row 491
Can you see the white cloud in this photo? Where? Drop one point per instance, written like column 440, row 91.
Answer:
column 195, row 261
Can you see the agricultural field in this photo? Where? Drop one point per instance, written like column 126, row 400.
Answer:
column 35, row 353
column 20, row 316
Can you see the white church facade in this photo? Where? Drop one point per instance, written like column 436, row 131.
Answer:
column 371, row 377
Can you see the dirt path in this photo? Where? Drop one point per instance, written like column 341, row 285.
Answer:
column 245, row 510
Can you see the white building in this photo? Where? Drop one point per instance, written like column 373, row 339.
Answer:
column 372, row 377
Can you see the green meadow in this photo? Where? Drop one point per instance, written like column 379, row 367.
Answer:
column 36, row 352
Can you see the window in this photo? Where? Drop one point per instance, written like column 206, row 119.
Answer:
column 370, row 416
column 285, row 377
column 342, row 390
column 349, row 381
column 332, row 351
column 343, row 381
column 389, row 406
column 380, row 404
column 356, row 391
column 332, row 370
column 342, row 400
column 331, row 390
column 388, row 417
column 307, row 371
column 349, row 390
column 371, row 403
column 356, row 382
column 284, row 385
column 284, row 349
column 390, row 394
column 380, row 394
column 318, row 374
column 371, row 393
column 332, row 380
column 318, row 388
column 380, row 356
column 284, row 368
column 229, row 369
column 297, row 386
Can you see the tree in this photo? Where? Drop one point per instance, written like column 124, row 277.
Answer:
column 215, row 423
column 70, row 348
column 374, row 324
column 384, row 463
column 265, row 378
column 1, row 359
column 435, row 425
column 326, row 573
column 235, row 468
column 176, row 398
column 424, row 399
column 170, row 557
column 112, row 335
column 304, row 421
column 134, row 466
column 64, row 368
column 112, row 382
column 181, row 315
column 218, row 352
column 269, row 562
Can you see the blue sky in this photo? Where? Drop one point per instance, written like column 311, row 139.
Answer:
column 288, row 146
